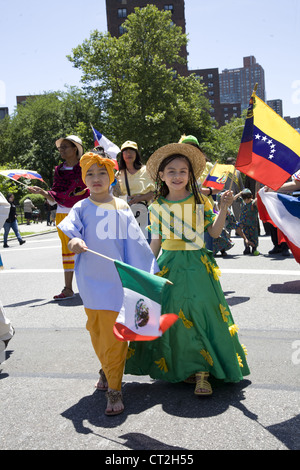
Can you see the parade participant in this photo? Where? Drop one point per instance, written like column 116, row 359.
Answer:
column 209, row 192
column 105, row 224
column 67, row 189
column 12, row 222
column 249, row 222
column 224, row 243
column 204, row 339
column 134, row 183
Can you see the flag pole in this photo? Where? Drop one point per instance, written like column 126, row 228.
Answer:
column 110, row 259
column 99, row 254
column 16, row 181
column 232, row 178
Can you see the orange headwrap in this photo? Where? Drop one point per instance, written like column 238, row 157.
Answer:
column 88, row 159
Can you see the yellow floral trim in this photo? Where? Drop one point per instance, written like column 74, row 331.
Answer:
column 162, row 365
column 233, row 329
column 245, row 349
column 130, row 353
column 186, row 322
column 240, row 360
column 162, row 272
column 207, row 357
column 224, row 312
column 211, row 268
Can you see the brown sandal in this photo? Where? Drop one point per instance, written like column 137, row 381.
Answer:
column 102, row 382
column 113, row 397
column 203, row 387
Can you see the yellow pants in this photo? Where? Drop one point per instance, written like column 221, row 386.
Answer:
column 67, row 256
column 110, row 351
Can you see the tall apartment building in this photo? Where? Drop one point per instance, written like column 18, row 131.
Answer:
column 118, row 10
column 222, row 113
column 236, row 85
column 276, row 105
column 293, row 121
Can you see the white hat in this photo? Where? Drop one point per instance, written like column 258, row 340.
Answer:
column 76, row 141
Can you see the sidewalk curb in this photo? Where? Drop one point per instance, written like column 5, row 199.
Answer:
column 33, row 234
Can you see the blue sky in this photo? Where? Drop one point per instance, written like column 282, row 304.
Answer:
column 36, row 36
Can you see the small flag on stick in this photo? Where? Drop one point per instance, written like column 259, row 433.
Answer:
column 140, row 316
column 218, row 175
column 16, row 174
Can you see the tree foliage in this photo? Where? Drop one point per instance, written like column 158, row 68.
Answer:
column 133, row 81
column 27, row 138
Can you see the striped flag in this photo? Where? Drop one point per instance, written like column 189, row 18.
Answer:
column 140, row 316
column 282, row 211
column 108, row 146
column 270, row 148
column 16, row 174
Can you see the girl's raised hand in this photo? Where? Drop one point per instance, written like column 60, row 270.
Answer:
column 226, row 199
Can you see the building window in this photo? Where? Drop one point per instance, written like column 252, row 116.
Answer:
column 210, row 75
column 169, row 7
column 122, row 12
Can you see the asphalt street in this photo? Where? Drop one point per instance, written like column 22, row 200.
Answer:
column 48, row 372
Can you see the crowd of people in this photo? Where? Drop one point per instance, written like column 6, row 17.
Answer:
column 112, row 213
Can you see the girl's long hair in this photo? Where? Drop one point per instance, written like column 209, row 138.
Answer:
column 162, row 188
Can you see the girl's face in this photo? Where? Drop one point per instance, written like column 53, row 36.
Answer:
column 176, row 174
column 97, row 180
column 129, row 155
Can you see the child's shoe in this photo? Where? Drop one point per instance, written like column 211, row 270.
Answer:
column 247, row 250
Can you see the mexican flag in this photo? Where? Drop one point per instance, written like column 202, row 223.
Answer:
column 140, row 316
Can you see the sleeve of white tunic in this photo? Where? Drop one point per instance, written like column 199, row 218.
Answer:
column 112, row 231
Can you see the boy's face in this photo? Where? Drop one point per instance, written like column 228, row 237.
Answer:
column 97, row 179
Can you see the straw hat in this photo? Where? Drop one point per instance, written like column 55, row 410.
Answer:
column 75, row 140
column 194, row 155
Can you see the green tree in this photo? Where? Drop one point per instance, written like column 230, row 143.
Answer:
column 133, row 81
column 27, row 138
column 225, row 141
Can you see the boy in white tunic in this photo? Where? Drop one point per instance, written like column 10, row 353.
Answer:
column 105, row 224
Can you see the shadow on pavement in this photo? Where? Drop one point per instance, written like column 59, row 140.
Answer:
column 175, row 399
column 290, row 287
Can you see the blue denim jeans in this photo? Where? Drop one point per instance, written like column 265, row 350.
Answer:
column 7, row 226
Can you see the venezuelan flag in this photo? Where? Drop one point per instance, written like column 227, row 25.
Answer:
column 218, row 175
column 270, row 148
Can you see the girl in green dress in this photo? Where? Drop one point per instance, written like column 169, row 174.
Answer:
column 204, row 339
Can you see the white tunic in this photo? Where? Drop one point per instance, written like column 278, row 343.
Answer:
column 109, row 229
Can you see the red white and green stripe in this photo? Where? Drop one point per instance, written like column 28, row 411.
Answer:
column 140, row 316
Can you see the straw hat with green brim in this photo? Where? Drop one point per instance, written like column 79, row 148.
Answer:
column 194, row 155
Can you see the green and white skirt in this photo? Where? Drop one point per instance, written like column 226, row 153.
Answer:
column 204, row 338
